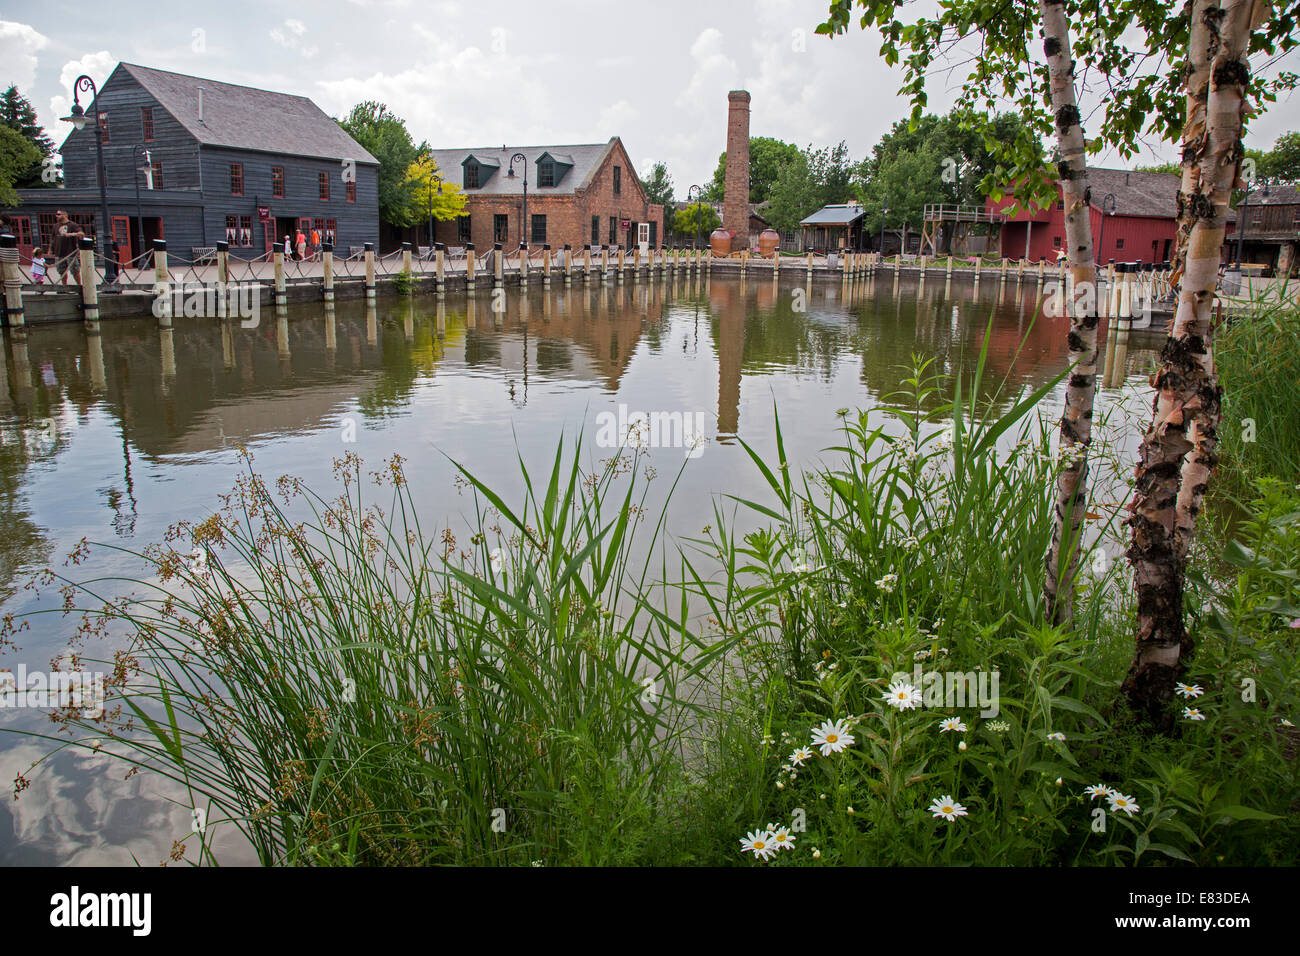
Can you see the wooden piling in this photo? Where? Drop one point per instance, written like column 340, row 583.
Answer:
column 162, row 282
column 369, row 252
column 13, row 282
column 327, row 271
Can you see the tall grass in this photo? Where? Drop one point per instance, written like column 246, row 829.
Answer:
column 345, row 686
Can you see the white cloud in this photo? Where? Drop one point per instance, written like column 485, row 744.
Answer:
column 19, row 44
column 95, row 65
column 293, row 39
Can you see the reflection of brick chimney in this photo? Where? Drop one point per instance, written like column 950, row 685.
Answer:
column 735, row 199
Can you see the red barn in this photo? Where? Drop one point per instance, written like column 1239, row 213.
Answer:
column 1141, row 221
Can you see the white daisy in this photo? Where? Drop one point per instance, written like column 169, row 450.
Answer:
column 1193, row 713
column 1189, row 690
column 954, row 724
column 759, row 843
column 1122, row 801
column 1056, row 736
column 782, row 838
column 888, row 583
column 948, row 808
column 801, row 755
column 832, row 737
column 1098, row 790
column 902, row 695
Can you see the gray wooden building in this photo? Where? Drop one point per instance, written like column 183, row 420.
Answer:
column 194, row 161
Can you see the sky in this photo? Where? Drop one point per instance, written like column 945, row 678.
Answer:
column 472, row 74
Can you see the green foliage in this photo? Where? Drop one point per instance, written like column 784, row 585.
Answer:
column 429, row 195
column 17, row 156
column 696, row 219
column 807, row 181
column 17, row 113
column 658, row 186
column 403, row 283
column 384, row 136
column 766, row 157
column 1281, row 164
column 988, row 46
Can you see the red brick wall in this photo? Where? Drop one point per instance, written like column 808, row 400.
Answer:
column 568, row 215
column 735, row 202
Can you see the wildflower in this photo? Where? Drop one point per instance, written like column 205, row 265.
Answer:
column 948, row 808
column 759, row 843
column 767, row 740
column 801, row 755
column 998, row 726
column 832, row 737
column 961, row 745
column 782, row 838
column 1056, row 736
column 1193, row 713
column 910, row 543
column 1287, row 723
column 849, row 811
column 1122, row 801
column 902, row 695
column 954, row 724
column 1098, row 790
column 817, row 854
column 1189, row 690
column 920, row 655
column 497, row 561
column 780, row 785
column 888, row 583
column 1295, row 623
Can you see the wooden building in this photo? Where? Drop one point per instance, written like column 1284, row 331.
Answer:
column 837, row 226
column 1270, row 228
column 1140, row 222
column 208, row 161
column 577, row 195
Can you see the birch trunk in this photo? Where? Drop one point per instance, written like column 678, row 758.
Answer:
column 1178, row 453
column 1076, row 422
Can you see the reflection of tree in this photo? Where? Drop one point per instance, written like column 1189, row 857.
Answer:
column 22, row 543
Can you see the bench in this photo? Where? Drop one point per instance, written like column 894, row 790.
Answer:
column 203, row 255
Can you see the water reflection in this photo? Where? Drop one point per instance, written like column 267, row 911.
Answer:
column 116, row 436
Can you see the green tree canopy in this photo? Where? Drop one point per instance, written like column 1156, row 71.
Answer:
column 696, row 219
column 429, row 196
column 806, row 181
column 384, row 136
column 1281, row 164
column 766, row 156
column 17, row 114
column 17, row 156
column 659, row 185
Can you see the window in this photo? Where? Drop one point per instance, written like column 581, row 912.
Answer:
column 654, row 235
column 1060, row 204
column 155, row 175
column 618, row 180
column 613, row 229
column 1257, row 217
column 546, row 173
column 500, row 228
column 146, row 123
column 277, row 182
column 85, row 221
column 46, row 228
column 1119, row 243
column 103, row 128
column 239, row 230
column 236, row 179
column 539, row 228
column 351, row 190
column 471, row 176
column 595, row 230
column 1056, row 242
column 323, row 183
column 462, row 229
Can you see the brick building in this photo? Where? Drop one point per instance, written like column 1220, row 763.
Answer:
column 576, row 195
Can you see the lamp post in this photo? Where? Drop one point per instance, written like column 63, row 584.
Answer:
column 80, row 120
column 698, row 191
column 137, row 152
column 523, row 226
column 434, row 176
column 1101, row 233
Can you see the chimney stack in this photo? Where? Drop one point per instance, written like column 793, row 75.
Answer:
column 735, row 196
column 200, row 104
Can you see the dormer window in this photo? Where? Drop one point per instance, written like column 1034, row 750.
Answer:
column 546, row 173
column 471, row 176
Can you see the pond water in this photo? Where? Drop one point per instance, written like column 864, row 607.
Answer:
column 116, row 440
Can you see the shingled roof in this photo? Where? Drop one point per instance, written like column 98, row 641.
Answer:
column 1136, row 193
column 243, row 117
column 586, row 160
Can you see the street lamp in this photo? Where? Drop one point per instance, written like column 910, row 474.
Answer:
column 147, row 168
column 1101, row 233
column 699, row 192
column 434, row 176
column 80, row 120
column 523, row 226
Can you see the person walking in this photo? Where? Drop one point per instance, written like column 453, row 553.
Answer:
column 38, row 265
column 315, row 244
column 301, row 241
column 66, row 235
column 288, row 247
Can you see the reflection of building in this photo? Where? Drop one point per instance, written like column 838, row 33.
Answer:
column 1141, row 221
column 576, row 195
column 1270, row 228
column 218, row 155
column 729, row 303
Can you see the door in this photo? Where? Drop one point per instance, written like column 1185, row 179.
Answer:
column 122, row 236
column 643, row 236
column 268, row 237
column 304, row 224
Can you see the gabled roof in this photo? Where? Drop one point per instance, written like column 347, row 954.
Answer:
column 838, row 214
column 1136, row 193
column 562, row 158
column 488, row 161
column 585, row 160
column 1277, row 196
column 242, row 117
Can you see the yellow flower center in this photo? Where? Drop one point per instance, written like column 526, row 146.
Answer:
column 831, row 738
column 759, row 844
column 946, row 808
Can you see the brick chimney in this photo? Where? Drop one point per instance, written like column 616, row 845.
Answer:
column 735, row 197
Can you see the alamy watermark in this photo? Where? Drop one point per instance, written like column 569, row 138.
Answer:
column 217, row 300
column 83, row 690
column 683, row 430
column 949, row 690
